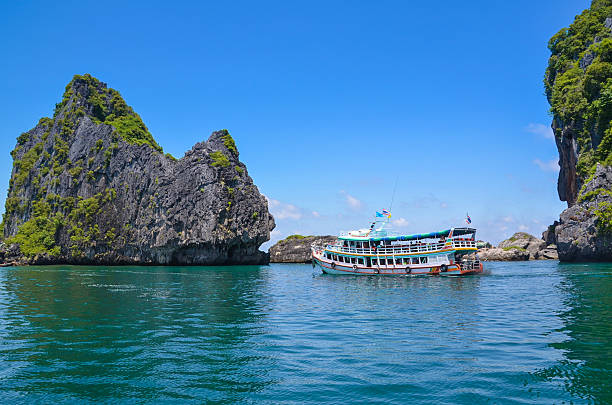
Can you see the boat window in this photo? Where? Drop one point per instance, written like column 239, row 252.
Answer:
column 353, row 260
column 374, row 262
column 398, row 261
column 424, row 259
column 383, row 262
column 415, row 260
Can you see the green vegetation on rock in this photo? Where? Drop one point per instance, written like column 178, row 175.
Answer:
column 514, row 247
column 37, row 235
column 293, row 237
column 588, row 196
column 229, row 143
column 578, row 85
column 219, row 159
column 604, row 218
column 26, row 164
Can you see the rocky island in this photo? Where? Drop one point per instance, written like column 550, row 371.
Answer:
column 520, row 246
column 91, row 186
column 296, row 248
column 578, row 84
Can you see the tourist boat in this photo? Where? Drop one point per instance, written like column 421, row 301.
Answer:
column 376, row 251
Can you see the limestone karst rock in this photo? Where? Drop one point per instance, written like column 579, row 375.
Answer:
column 578, row 85
column 91, row 185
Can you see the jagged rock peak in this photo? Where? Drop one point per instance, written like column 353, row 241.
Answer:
column 90, row 185
column 87, row 96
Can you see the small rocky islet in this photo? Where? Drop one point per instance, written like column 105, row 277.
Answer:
column 297, row 248
column 518, row 247
column 91, row 186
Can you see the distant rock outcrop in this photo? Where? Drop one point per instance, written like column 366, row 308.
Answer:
column 499, row 254
column 520, row 246
column 91, row 186
column 296, row 248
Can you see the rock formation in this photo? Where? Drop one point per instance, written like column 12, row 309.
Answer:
column 584, row 232
column 520, row 246
column 579, row 89
column 296, row 248
column 91, row 185
column 504, row 255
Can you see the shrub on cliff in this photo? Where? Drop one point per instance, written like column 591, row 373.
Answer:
column 578, row 83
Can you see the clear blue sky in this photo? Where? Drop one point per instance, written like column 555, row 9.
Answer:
column 328, row 100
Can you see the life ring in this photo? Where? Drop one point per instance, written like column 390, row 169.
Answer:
column 377, row 271
column 408, row 270
column 444, row 268
column 354, row 267
column 333, row 265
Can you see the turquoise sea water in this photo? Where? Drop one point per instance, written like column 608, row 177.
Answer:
column 532, row 332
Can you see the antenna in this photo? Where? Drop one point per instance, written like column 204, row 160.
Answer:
column 393, row 196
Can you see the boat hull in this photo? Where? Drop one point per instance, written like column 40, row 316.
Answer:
column 337, row 268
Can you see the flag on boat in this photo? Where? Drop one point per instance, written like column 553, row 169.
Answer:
column 468, row 220
column 383, row 213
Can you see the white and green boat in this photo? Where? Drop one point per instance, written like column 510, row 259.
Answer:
column 376, row 251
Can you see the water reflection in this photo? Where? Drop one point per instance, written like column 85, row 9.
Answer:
column 110, row 333
column 586, row 371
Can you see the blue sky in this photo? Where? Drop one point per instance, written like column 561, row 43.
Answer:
column 330, row 102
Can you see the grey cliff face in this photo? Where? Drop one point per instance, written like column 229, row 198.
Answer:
column 92, row 186
column 295, row 249
column 568, row 183
column 580, row 234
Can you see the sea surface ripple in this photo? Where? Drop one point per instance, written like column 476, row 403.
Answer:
column 531, row 332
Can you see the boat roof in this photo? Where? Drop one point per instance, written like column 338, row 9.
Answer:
column 359, row 235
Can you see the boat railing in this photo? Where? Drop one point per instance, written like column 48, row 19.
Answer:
column 464, row 243
column 390, row 250
column 404, row 249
